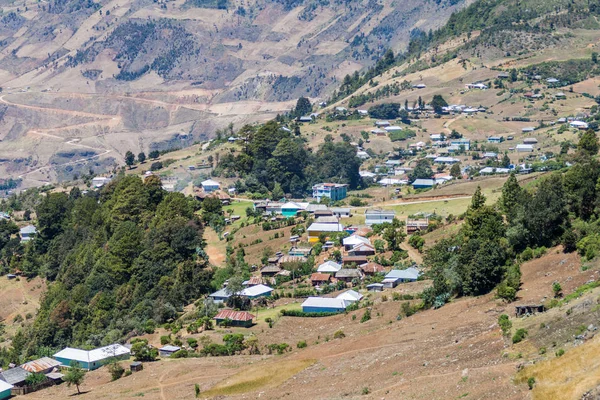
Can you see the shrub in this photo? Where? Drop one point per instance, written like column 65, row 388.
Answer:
column 301, row 344
column 116, row 371
column 557, row 289
column 395, row 296
column 560, row 353
column 339, row 335
column 165, row 340
column 531, row 382
column 519, row 335
column 180, row 354
column 366, row 316
column 192, row 342
column 366, row 391
column 279, row 347
column 505, row 324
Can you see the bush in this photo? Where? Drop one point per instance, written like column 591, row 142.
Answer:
column 180, row 354
column 366, row 391
column 339, row 335
column 519, row 335
column 116, row 371
column 505, row 324
column 280, row 348
column 396, row 296
column 531, row 382
column 192, row 342
column 560, row 353
column 366, row 316
column 301, row 344
column 165, row 340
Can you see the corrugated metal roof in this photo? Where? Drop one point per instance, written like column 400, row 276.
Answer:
column 235, row 315
column 409, row 273
column 325, row 302
column 350, row 295
column 325, row 227
column 256, row 290
column 102, row 353
column 329, row 266
column 170, row 348
column 41, row 364
column 14, row 376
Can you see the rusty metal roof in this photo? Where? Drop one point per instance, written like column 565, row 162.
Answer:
column 40, row 365
column 234, row 315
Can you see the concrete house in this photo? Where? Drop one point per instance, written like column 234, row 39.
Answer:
column 329, row 267
column 350, row 295
column 210, row 186
column 326, row 228
column 423, row 183
column 373, row 217
column 168, row 350
column 341, row 212
column 334, row 191
column 446, row 160
column 396, row 276
column 290, row 209
column 524, row 148
column 27, row 233
column 351, row 241
column 92, row 359
column 362, row 249
column 495, row 139
column 254, row 292
column 221, row 295
column 235, row 318
column 5, row 390
column 324, row 305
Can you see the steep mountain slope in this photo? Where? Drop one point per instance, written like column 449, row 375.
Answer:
column 145, row 73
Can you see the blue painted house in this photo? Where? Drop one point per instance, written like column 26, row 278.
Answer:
column 92, row 359
column 5, row 390
column 324, row 305
column 290, row 209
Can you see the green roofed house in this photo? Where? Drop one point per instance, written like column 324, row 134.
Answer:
column 92, row 359
column 5, row 390
column 290, row 209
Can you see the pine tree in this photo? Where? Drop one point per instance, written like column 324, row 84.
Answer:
column 478, row 199
column 511, row 197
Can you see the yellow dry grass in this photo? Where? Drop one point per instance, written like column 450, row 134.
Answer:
column 566, row 377
column 259, row 377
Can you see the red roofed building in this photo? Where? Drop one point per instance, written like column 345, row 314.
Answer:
column 234, row 318
column 372, row 268
column 319, row 278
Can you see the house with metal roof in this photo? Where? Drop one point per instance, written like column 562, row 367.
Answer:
column 329, row 267
column 92, row 359
column 362, row 249
column 27, row 233
column 334, row 191
column 290, row 209
column 396, row 276
column 168, row 350
column 320, row 278
column 210, row 186
column 221, row 295
column 15, row 376
column 348, row 274
column 423, row 183
column 341, row 212
column 524, row 148
column 318, row 228
column 5, row 390
column 41, row 365
column 372, row 268
column 324, row 305
column 351, row 241
column 257, row 291
column 350, row 295
column 373, row 217
column 234, row 318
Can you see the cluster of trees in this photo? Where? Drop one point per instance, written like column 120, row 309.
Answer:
column 141, row 158
column 117, row 261
column 562, row 209
column 273, row 156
